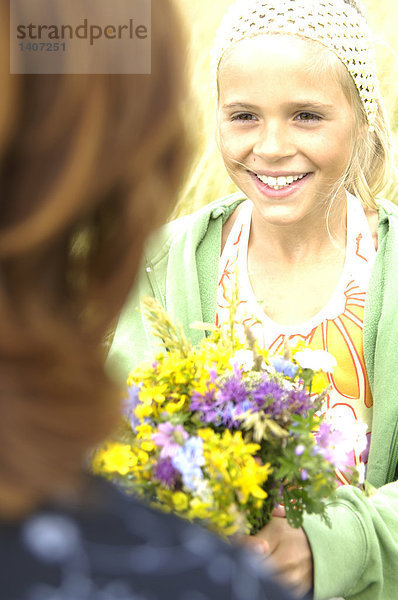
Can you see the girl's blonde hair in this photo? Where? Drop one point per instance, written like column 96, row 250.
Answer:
column 370, row 168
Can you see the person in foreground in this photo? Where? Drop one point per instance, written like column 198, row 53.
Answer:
column 78, row 156
column 314, row 254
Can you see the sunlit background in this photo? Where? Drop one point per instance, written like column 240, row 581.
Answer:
column 207, row 179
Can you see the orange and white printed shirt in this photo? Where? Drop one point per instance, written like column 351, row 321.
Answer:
column 337, row 328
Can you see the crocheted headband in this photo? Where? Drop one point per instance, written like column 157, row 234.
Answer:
column 336, row 24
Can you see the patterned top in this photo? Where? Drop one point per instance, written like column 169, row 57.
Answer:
column 337, row 328
column 114, row 548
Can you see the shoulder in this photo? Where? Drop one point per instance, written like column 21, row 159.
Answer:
column 387, row 210
column 192, row 229
column 387, row 222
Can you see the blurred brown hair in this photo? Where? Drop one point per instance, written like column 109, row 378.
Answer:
column 88, row 166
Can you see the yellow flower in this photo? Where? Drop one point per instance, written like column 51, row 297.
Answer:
column 226, row 523
column 115, row 458
column 177, row 369
column 319, row 382
column 213, row 354
column 180, row 501
column 148, row 446
column 320, row 481
column 317, row 421
column 250, row 478
column 206, row 433
column 143, row 457
column 144, row 431
column 143, row 411
column 237, row 445
column 202, row 386
column 153, row 393
column 199, row 509
column 139, row 374
column 263, row 352
column 173, row 407
column 298, row 347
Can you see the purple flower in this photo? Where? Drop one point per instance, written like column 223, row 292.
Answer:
column 270, row 394
column 205, row 404
column 333, row 446
column 275, row 400
column 299, row 402
column 365, row 454
column 324, row 433
column 304, row 475
column 169, row 438
column 221, row 407
column 166, row 473
column 299, row 451
column 233, row 399
column 213, row 375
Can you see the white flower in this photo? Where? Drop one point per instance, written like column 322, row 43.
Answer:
column 360, row 438
column 317, row 360
column 243, row 359
column 203, row 491
column 361, row 472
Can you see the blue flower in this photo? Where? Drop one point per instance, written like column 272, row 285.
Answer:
column 284, row 366
column 188, row 461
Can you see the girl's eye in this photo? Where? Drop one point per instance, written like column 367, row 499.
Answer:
column 243, row 117
column 308, row 117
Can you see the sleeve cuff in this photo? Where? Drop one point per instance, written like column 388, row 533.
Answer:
column 339, row 551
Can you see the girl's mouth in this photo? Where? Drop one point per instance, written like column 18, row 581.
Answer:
column 277, row 183
column 279, row 186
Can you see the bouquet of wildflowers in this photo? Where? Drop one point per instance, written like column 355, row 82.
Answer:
column 223, row 432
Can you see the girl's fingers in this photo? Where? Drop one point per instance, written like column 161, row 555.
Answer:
column 253, row 543
column 279, row 511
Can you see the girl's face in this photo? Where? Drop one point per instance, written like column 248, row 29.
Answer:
column 286, row 131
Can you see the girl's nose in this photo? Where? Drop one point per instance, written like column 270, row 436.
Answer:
column 274, row 142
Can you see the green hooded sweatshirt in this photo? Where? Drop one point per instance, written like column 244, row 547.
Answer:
column 357, row 558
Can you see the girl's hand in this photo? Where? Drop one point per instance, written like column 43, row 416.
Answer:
column 289, row 553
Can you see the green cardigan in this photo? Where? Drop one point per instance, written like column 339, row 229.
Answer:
column 358, row 557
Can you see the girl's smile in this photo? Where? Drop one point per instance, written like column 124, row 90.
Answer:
column 286, row 129
column 279, row 186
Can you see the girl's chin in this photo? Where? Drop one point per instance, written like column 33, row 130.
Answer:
column 281, row 214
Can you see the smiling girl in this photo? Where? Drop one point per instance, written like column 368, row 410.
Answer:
column 313, row 253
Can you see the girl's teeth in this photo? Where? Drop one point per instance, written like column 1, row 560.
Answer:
column 278, row 183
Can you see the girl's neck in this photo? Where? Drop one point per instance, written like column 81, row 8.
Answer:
column 316, row 233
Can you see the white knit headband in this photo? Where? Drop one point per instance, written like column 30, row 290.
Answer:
column 334, row 23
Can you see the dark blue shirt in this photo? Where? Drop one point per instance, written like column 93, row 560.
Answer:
column 114, row 548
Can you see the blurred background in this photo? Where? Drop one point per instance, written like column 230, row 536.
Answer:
column 207, row 179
